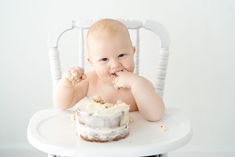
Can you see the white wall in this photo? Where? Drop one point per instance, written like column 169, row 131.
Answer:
column 201, row 68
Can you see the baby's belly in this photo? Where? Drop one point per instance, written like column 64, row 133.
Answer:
column 114, row 97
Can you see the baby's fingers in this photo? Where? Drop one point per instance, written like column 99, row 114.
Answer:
column 120, row 72
column 118, row 84
column 83, row 77
column 68, row 75
column 114, row 81
column 79, row 70
column 74, row 75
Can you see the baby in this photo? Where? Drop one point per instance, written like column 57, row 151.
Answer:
column 111, row 54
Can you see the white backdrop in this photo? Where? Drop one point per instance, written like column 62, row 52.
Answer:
column 200, row 78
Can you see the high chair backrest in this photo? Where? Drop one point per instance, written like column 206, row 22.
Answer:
column 83, row 25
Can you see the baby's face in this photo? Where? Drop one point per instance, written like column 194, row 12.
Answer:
column 110, row 55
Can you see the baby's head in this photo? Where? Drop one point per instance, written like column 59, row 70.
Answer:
column 110, row 48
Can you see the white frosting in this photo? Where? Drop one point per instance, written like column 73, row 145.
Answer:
column 89, row 106
column 95, row 120
column 102, row 134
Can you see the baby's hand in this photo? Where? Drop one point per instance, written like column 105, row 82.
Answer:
column 124, row 80
column 73, row 76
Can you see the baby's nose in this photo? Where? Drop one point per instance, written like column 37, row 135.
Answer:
column 115, row 64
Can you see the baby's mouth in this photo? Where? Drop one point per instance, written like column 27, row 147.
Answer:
column 115, row 74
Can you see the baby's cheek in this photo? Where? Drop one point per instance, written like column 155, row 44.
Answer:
column 102, row 73
column 131, row 64
column 130, row 67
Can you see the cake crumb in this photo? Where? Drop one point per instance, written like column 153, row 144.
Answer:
column 131, row 119
column 98, row 99
column 163, row 127
column 74, row 77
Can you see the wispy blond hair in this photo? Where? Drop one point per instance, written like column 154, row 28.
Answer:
column 107, row 27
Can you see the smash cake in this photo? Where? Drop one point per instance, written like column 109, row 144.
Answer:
column 98, row 121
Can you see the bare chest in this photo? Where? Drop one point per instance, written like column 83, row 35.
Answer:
column 112, row 95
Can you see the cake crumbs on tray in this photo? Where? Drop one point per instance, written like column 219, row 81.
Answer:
column 98, row 99
column 163, row 127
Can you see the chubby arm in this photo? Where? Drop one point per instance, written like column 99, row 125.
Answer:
column 71, row 88
column 150, row 104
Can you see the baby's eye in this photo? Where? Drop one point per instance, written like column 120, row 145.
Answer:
column 103, row 59
column 121, row 55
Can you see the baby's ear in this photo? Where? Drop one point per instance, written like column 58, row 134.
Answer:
column 133, row 49
column 89, row 60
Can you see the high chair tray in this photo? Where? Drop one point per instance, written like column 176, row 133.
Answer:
column 52, row 131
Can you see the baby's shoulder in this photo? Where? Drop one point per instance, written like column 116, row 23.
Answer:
column 92, row 81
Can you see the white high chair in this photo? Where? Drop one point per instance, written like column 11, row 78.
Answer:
column 52, row 132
